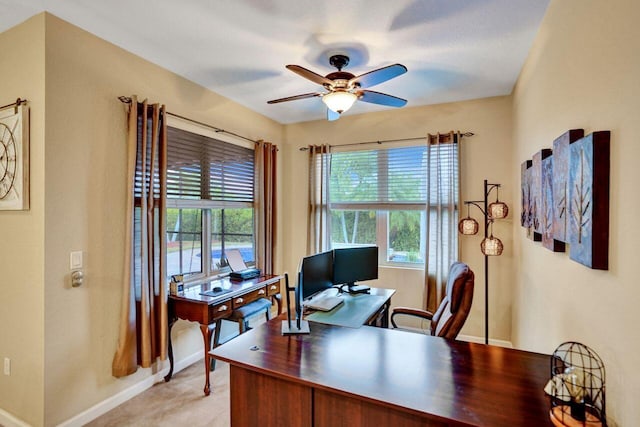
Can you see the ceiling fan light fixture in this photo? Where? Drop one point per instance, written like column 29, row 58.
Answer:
column 339, row 101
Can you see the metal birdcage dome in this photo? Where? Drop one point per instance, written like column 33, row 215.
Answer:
column 576, row 387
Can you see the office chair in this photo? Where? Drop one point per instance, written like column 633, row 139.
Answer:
column 454, row 309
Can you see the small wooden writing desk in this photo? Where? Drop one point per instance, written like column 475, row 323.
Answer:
column 338, row 376
column 190, row 305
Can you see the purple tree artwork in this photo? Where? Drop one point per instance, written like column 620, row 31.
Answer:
column 525, row 194
column 547, row 205
column 588, row 203
column 537, row 208
column 561, row 182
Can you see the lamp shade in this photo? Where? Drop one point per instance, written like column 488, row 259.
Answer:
column 498, row 210
column 491, row 246
column 339, row 101
column 468, row 225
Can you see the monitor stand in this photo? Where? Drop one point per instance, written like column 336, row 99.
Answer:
column 300, row 326
column 295, row 328
column 355, row 289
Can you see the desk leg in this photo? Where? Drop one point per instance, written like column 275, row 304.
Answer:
column 385, row 315
column 207, row 345
column 278, row 300
column 216, row 341
column 167, row 377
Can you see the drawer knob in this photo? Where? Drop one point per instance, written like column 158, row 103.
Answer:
column 273, row 287
column 222, row 308
column 239, row 301
column 261, row 292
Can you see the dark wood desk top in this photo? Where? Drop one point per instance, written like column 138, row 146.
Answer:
column 192, row 292
column 463, row 383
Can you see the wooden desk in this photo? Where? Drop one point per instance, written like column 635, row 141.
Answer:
column 339, row 376
column 190, row 305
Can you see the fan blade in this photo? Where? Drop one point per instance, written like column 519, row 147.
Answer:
column 293, row 98
column 332, row 115
column 381, row 98
column 378, row 76
column 310, row 75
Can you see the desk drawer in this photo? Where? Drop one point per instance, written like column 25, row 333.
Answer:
column 238, row 302
column 273, row 289
column 219, row 311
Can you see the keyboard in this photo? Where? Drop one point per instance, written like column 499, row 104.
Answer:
column 323, row 303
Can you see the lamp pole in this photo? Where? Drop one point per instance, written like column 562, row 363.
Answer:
column 486, row 265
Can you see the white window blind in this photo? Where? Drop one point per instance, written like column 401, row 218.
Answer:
column 388, row 178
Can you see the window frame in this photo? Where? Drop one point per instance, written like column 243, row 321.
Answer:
column 206, row 206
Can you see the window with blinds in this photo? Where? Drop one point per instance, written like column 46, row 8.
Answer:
column 380, row 197
column 210, row 193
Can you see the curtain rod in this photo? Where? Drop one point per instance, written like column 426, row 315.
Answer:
column 127, row 100
column 384, row 141
column 16, row 104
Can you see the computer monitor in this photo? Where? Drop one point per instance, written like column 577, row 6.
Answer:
column 351, row 265
column 315, row 274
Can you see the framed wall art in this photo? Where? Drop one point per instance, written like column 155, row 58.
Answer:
column 561, row 182
column 547, row 205
column 588, row 226
column 565, row 197
column 537, row 209
column 525, row 193
column 14, row 157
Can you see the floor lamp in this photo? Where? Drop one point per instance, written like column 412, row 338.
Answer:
column 490, row 246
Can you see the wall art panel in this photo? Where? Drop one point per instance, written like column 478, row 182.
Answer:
column 588, row 227
column 537, row 209
column 560, row 182
column 547, row 205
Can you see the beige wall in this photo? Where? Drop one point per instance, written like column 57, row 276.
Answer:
column 22, row 234
column 583, row 73
column 487, row 155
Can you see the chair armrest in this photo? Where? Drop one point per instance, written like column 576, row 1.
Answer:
column 408, row 311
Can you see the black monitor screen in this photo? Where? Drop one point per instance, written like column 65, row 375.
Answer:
column 316, row 273
column 352, row 265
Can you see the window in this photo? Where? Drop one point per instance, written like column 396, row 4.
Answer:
column 380, row 197
column 209, row 203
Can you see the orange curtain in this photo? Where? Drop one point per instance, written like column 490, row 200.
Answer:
column 143, row 321
column 443, row 178
column 265, row 204
column 318, row 231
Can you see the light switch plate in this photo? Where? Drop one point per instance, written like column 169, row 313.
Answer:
column 75, row 260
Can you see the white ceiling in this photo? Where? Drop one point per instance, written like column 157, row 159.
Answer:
column 454, row 49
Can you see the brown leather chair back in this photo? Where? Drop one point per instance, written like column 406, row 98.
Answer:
column 454, row 308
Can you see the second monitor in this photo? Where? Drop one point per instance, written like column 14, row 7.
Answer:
column 351, row 265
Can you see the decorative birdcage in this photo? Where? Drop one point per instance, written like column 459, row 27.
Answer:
column 576, row 387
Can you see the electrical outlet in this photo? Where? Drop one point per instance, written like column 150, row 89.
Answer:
column 7, row 366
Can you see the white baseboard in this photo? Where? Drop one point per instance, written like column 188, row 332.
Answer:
column 467, row 338
column 480, row 340
column 113, row 401
column 8, row 420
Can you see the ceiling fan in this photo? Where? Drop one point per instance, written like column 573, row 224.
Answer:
column 343, row 88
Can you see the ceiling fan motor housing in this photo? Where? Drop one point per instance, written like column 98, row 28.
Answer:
column 339, row 61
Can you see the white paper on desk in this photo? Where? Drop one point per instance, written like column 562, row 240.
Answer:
column 234, row 258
